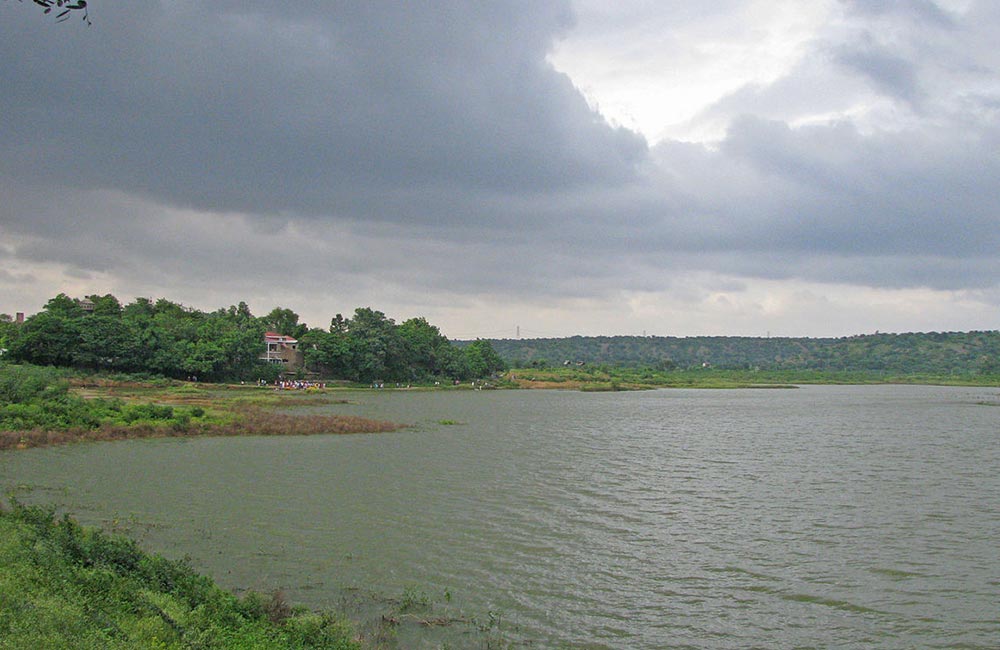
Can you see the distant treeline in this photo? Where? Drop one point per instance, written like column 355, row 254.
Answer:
column 933, row 353
column 167, row 339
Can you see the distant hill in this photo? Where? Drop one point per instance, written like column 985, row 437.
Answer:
column 934, row 352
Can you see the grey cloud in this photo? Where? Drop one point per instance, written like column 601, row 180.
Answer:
column 890, row 73
column 813, row 87
column 923, row 11
column 373, row 148
column 257, row 107
column 15, row 278
column 900, row 193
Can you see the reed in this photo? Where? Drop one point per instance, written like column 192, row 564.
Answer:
column 253, row 422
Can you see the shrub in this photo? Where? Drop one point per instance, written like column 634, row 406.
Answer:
column 66, row 585
column 22, row 384
column 135, row 412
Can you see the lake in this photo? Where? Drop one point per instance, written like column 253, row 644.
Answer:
column 817, row 517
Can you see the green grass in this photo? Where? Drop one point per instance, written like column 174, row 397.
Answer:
column 66, row 586
column 610, row 378
column 40, row 406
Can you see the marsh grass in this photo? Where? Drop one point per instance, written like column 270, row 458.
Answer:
column 252, row 422
column 259, row 422
column 39, row 407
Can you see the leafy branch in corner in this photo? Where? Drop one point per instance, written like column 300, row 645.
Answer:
column 64, row 8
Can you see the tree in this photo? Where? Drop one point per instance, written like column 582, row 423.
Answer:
column 376, row 346
column 284, row 321
column 63, row 306
column 106, row 305
column 7, row 330
column 454, row 363
column 172, row 340
column 48, row 338
column 339, row 324
column 328, row 352
column 106, row 342
column 483, row 360
column 423, row 346
column 240, row 313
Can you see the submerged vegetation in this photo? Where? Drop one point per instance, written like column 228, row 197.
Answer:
column 66, row 586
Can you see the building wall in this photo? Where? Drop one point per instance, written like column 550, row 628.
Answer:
column 287, row 357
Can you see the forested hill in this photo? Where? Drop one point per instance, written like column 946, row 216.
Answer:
column 946, row 352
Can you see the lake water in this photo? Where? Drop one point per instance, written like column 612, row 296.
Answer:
column 820, row 517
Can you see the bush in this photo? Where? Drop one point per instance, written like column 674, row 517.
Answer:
column 135, row 412
column 33, row 398
column 65, row 585
column 22, row 384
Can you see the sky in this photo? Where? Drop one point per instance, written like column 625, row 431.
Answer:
column 532, row 167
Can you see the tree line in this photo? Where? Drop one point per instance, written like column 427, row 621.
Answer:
column 976, row 352
column 168, row 339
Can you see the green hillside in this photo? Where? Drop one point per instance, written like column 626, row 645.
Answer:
column 911, row 353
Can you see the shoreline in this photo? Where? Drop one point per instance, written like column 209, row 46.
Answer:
column 604, row 378
column 195, row 410
column 241, row 410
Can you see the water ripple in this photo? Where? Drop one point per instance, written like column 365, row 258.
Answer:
column 824, row 517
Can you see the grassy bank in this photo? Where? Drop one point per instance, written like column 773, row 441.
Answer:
column 65, row 586
column 605, row 378
column 40, row 406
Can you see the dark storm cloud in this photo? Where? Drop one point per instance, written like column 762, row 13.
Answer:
column 834, row 190
column 265, row 107
column 344, row 145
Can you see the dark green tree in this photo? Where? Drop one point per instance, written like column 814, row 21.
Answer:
column 7, row 330
column 454, row 363
column 106, row 342
column 284, row 321
column 424, row 347
column 483, row 360
column 377, row 348
column 63, row 306
column 106, row 305
column 49, row 338
column 328, row 353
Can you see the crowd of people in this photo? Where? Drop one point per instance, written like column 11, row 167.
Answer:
column 293, row 384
